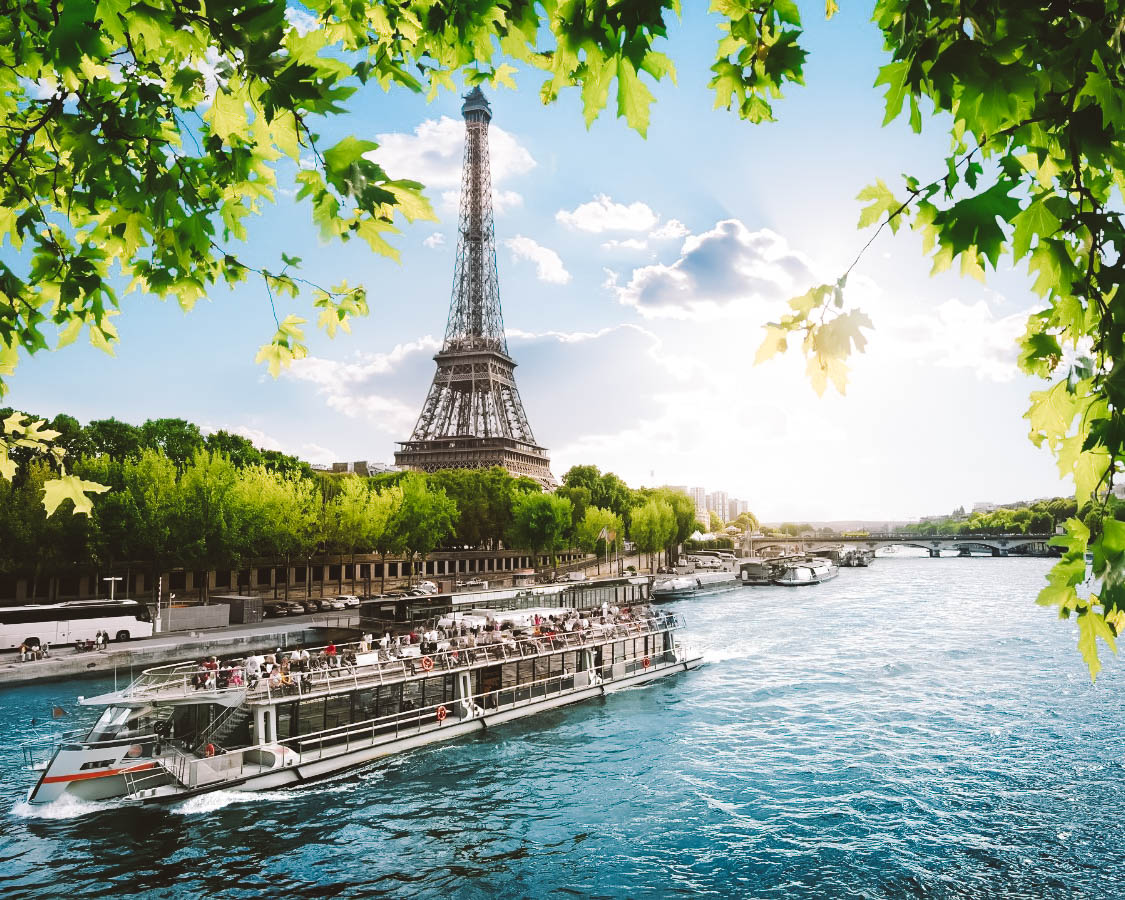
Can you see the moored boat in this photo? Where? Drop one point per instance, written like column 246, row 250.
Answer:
column 678, row 587
column 758, row 571
column 814, row 571
column 182, row 730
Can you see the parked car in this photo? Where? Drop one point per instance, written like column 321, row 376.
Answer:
column 310, row 606
column 274, row 610
column 350, row 601
column 331, row 603
column 295, row 608
column 427, row 587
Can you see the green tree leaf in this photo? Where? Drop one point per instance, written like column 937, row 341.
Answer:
column 73, row 488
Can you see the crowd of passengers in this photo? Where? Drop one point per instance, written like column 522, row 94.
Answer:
column 278, row 669
column 284, row 669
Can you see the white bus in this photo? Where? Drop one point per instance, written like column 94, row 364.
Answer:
column 79, row 620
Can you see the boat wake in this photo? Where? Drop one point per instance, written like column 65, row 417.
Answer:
column 725, row 655
column 66, row 807
column 216, row 800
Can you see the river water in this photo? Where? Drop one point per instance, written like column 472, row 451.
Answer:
column 918, row 728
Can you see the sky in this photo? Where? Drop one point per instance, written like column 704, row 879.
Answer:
column 635, row 277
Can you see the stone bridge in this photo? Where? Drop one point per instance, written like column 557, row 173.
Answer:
column 997, row 544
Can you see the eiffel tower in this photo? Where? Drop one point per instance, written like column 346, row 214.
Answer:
column 473, row 417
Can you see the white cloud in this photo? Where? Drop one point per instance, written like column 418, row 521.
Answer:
column 502, row 201
column 315, row 453
column 627, row 244
column 301, row 21
column 433, row 153
column 602, row 214
column 956, row 335
column 434, row 240
column 548, row 265
column 671, row 229
column 372, row 387
column 727, row 269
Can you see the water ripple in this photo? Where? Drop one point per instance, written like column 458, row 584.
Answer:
column 916, row 729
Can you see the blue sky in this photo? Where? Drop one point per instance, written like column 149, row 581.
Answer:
column 635, row 276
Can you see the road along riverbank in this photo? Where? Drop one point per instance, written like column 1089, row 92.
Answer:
column 163, row 649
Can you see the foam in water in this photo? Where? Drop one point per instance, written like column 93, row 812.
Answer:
column 216, row 800
column 66, row 807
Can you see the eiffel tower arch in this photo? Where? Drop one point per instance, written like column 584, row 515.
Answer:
column 473, row 417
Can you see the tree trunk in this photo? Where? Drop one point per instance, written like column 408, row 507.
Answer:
column 383, row 573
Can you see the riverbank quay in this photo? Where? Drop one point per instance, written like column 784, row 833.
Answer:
column 162, row 649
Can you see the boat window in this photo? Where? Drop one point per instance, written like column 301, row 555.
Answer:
column 411, row 695
column 285, row 718
column 390, row 699
column 437, row 690
column 555, row 664
column 526, row 671
column 364, row 705
column 569, row 662
column 337, row 710
column 110, row 723
column 311, row 716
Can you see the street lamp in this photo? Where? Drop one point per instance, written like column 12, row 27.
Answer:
column 112, row 579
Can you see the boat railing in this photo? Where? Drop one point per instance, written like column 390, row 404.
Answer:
column 407, row 723
column 181, row 679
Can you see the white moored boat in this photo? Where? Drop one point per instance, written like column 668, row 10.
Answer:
column 814, row 571
column 180, row 730
column 677, row 587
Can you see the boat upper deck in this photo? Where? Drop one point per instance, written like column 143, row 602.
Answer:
column 355, row 665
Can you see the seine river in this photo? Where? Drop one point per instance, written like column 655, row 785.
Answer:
column 918, row 728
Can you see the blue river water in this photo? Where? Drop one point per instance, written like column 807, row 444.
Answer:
column 918, row 728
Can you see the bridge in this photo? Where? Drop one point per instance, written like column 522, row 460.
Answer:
column 997, row 544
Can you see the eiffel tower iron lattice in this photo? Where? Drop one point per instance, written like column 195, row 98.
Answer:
column 473, row 417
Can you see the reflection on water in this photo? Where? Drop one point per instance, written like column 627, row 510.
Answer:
column 917, row 727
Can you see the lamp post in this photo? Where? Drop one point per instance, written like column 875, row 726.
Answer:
column 112, row 579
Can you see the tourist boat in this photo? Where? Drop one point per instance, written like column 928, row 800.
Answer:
column 813, row 571
column 171, row 734
column 679, row 587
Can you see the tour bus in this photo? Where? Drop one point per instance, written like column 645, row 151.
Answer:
column 720, row 555
column 79, row 620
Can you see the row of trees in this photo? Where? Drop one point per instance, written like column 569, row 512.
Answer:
column 179, row 499
column 1039, row 517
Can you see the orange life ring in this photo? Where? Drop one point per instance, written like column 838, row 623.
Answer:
column 442, row 712
column 209, row 750
column 427, row 663
column 645, row 662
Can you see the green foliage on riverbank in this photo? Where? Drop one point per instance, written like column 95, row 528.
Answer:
column 1037, row 517
column 178, row 498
